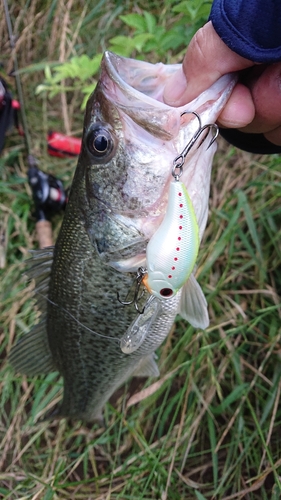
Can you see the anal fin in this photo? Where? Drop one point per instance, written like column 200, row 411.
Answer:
column 32, row 355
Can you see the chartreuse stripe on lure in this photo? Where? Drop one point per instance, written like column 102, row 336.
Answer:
column 172, row 251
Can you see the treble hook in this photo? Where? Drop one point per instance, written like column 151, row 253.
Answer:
column 210, row 126
column 179, row 160
column 136, row 298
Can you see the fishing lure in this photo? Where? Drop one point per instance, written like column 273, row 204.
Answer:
column 172, row 251
column 170, row 255
column 139, row 328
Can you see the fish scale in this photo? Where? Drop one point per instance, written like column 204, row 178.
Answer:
column 117, row 201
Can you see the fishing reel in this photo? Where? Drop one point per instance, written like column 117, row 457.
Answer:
column 48, row 192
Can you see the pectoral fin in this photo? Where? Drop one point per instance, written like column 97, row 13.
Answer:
column 32, row 355
column 193, row 305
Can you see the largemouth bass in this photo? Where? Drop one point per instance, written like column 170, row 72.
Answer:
column 118, row 200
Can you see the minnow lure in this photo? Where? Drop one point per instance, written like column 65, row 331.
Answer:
column 139, row 328
column 172, row 251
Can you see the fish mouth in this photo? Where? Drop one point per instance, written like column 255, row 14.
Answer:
column 135, row 76
column 137, row 87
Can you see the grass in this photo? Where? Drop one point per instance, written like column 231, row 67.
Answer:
column 209, row 427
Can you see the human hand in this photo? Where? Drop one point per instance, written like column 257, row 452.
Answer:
column 255, row 103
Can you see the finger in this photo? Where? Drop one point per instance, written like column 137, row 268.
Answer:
column 266, row 95
column 239, row 110
column 207, row 59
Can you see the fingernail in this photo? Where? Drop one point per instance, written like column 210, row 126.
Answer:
column 175, row 88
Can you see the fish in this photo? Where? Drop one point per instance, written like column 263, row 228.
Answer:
column 117, row 202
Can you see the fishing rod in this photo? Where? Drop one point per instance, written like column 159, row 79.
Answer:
column 48, row 192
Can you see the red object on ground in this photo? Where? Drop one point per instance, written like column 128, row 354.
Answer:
column 15, row 104
column 62, row 145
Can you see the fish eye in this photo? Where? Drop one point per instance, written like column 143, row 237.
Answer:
column 100, row 141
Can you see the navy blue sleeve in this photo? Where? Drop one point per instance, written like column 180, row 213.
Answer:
column 251, row 28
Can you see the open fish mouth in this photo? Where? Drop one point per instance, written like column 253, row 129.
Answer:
column 138, row 86
column 153, row 133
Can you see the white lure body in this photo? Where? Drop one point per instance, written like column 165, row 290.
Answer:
column 172, row 251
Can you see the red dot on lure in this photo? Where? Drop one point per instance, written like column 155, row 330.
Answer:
column 173, row 268
column 179, row 238
column 180, row 194
column 180, row 227
column 177, row 249
column 175, row 258
column 181, row 205
column 181, row 216
column 170, row 276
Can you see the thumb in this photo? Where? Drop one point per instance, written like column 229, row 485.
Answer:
column 207, row 58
